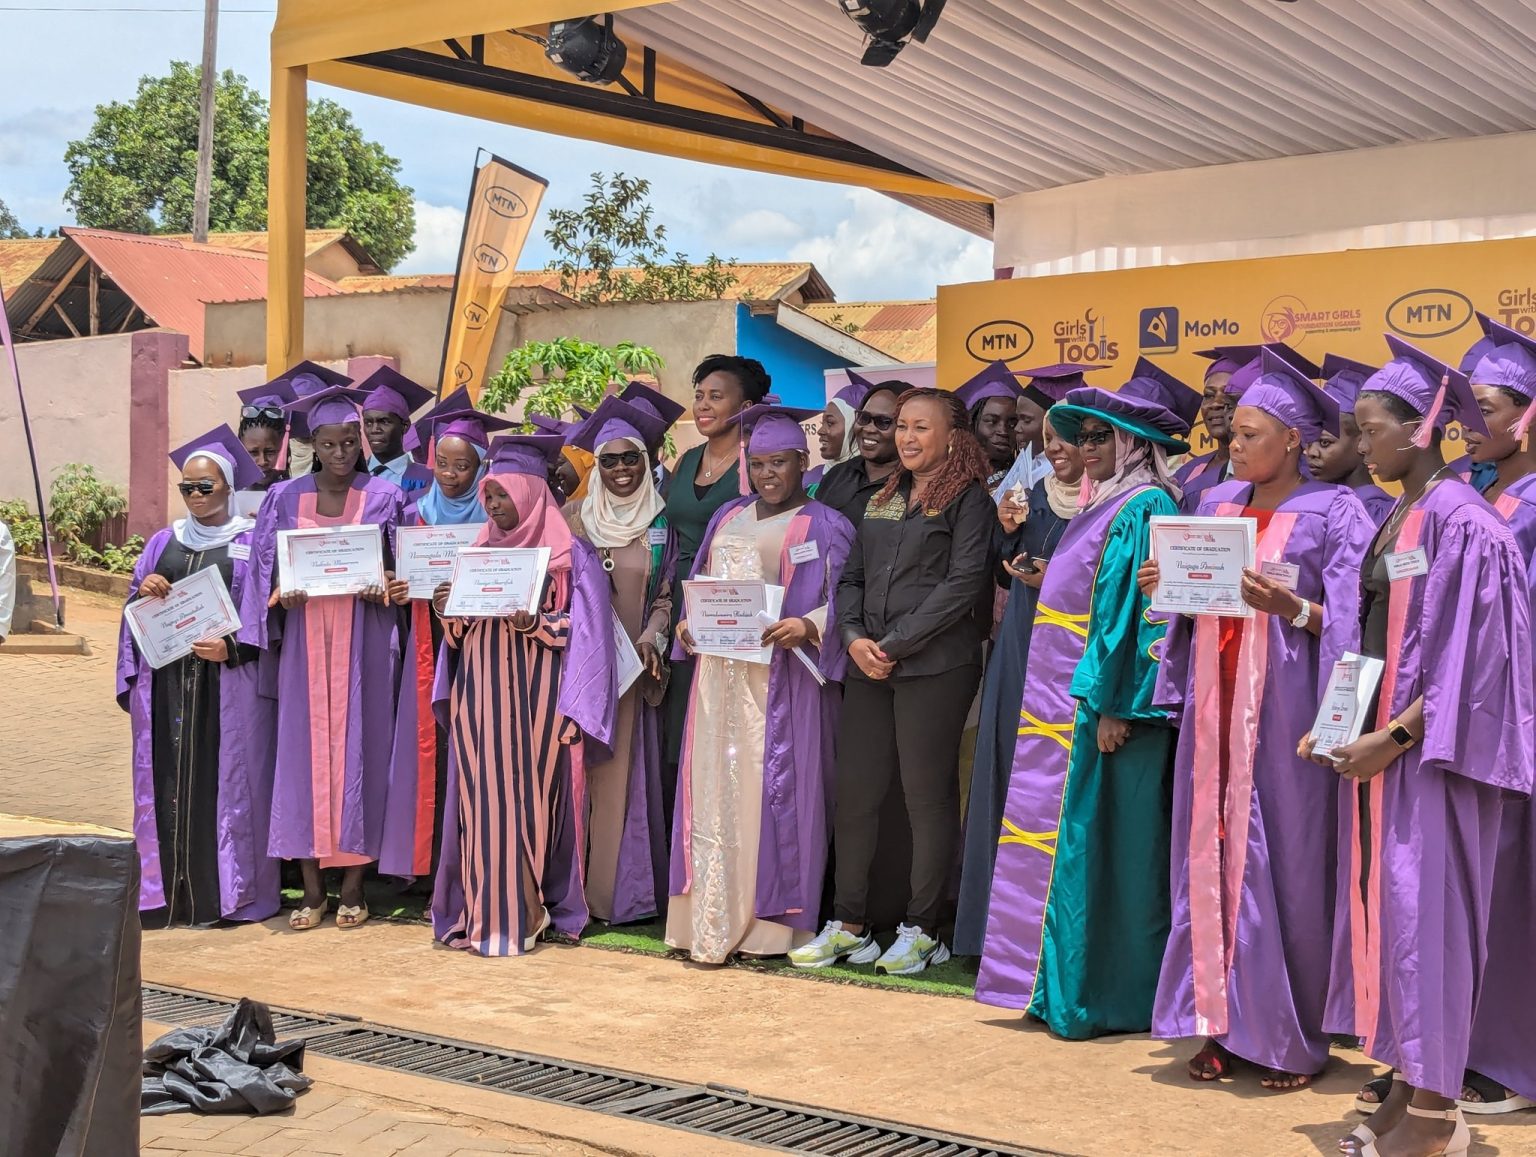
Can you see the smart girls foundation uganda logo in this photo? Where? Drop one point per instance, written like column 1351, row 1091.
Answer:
column 1289, row 319
column 1084, row 339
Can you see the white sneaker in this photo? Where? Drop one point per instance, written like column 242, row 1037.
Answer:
column 832, row 944
column 913, row 951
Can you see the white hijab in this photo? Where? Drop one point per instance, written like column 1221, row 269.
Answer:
column 846, row 450
column 612, row 522
column 200, row 536
column 1138, row 462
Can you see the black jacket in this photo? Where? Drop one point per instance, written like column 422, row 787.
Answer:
column 919, row 583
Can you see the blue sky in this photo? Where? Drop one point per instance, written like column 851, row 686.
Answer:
column 56, row 66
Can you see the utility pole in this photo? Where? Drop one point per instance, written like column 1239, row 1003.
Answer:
column 203, row 190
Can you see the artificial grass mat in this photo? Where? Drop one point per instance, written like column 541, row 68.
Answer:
column 954, row 978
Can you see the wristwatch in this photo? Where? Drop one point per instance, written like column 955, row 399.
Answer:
column 1304, row 616
column 1400, row 735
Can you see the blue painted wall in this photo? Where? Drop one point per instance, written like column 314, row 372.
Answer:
column 795, row 365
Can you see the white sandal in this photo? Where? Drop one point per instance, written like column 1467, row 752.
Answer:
column 1363, row 1133
column 532, row 939
column 1457, row 1146
column 355, row 915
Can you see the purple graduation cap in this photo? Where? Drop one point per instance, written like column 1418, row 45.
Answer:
column 773, row 428
column 1048, row 385
column 1290, row 397
column 1342, row 379
column 614, row 419
column 1150, row 382
column 1509, row 365
column 1475, row 352
column 310, row 378
column 853, row 394
column 995, row 381
column 653, row 402
column 1153, row 405
column 391, row 392
column 332, row 406
column 222, row 446
column 544, row 424
column 470, row 424
column 273, row 395
column 418, row 438
column 1434, row 389
column 531, row 454
column 1229, row 359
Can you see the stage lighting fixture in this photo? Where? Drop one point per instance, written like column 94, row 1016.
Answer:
column 889, row 25
column 587, row 48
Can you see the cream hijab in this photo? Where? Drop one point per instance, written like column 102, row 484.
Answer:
column 610, row 522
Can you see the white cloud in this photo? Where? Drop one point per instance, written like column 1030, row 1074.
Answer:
column 881, row 249
column 438, row 230
column 762, row 227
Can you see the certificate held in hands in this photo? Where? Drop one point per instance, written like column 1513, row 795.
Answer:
column 331, row 560
column 1200, row 564
column 493, row 582
column 1347, row 699
column 725, row 617
column 197, row 609
column 427, row 554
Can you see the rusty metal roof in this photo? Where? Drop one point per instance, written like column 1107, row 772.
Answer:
column 755, row 280
column 906, row 330
column 20, row 259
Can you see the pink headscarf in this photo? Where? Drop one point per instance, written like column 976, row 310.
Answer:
column 539, row 523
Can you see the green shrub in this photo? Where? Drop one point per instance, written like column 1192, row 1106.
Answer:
column 122, row 559
column 26, row 527
column 79, row 505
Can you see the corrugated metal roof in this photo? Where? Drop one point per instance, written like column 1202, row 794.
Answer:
column 1009, row 96
column 906, row 330
column 314, row 240
column 20, row 260
column 755, row 281
column 171, row 280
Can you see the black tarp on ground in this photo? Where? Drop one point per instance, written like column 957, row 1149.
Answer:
column 237, row 1067
column 69, row 991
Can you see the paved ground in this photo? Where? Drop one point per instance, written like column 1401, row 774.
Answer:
column 947, row 1064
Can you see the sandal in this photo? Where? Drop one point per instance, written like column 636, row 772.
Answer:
column 533, row 938
column 305, row 918
column 1380, row 1088
column 1211, row 1063
column 349, row 916
column 1493, row 1099
column 1457, row 1145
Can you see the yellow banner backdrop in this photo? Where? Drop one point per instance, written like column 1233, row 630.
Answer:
column 1319, row 303
column 503, row 200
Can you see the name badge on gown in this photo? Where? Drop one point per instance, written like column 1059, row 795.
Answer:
column 1407, row 563
column 240, row 551
column 804, row 552
column 656, row 536
column 1285, row 574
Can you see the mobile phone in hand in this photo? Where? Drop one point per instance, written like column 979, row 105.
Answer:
column 1025, row 562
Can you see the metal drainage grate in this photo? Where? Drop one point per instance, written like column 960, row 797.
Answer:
column 708, row 1109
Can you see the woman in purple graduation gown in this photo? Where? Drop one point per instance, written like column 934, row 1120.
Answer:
column 1335, row 456
column 202, row 730
column 518, row 693
column 1254, row 823
column 338, row 664
column 749, row 841
column 1446, row 606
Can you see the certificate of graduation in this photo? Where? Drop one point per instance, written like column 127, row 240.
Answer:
column 1200, row 563
column 629, row 666
column 723, row 617
column 426, row 554
column 198, row 608
column 330, row 560
column 493, row 582
column 1346, row 700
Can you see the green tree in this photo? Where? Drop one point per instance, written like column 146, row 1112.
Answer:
column 554, row 377
column 10, row 228
column 613, row 229
column 136, row 169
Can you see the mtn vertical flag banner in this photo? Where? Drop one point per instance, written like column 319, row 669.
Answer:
column 503, row 200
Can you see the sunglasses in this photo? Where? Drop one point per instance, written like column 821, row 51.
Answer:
column 614, row 461
column 1094, row 438
column 273, row 412
column 881, row 422
column 203, row 486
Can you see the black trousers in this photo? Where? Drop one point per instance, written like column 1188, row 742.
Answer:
column 911, row 728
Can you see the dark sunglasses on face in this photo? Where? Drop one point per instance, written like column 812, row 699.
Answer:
column 202, row 486
column 614, row 461
column 881, row 422
column 273, row 412
column 1094, row 437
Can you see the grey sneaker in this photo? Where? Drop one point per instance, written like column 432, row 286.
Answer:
column 832, row 944
column 913, row 951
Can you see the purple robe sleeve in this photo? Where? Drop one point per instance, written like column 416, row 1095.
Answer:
column 1346, row 538
column 135, row 681
column 260, row 625
column 1475, row 655
column 588, row 680
column 837, row 533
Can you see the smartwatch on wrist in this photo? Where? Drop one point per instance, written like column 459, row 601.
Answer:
column 1400, row 735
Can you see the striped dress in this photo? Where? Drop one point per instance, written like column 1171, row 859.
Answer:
column 513, row 785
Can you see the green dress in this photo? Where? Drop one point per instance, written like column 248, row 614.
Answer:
column 1079, row 914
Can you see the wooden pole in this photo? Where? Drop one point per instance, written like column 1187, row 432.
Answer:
column 95, row 300
column 285, row 218
column 203, row 190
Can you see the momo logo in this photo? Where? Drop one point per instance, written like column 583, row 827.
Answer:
column 490, row 259
column 505, row 203
column 1158, row 330
column 475, row 315
column 1000, row 341
column 1289, row 319
column 1426, row 313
